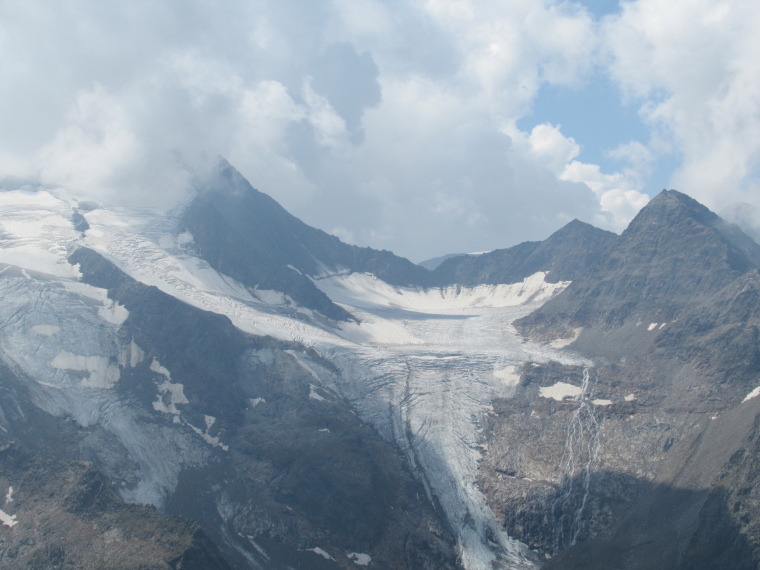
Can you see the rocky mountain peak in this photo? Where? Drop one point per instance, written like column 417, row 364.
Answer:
column 674, row 253
column 672, row 204
column 677, row 230
column 567, row 253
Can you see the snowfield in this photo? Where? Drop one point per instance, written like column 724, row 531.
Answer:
column 421, row 366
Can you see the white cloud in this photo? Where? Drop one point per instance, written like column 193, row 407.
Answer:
column 94, row 147
column 329, row 127
column 636, row 157
column 394, row 121
column 551, row 148
column 619, row 201
column 692, row 66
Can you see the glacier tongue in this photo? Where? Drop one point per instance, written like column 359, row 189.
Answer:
column 429, row 395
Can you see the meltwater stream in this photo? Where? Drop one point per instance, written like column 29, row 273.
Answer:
column 583, row 443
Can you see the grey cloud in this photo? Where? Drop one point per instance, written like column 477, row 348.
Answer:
column 374, row 117
column 349, row 82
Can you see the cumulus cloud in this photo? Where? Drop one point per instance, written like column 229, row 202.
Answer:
column 394, row 122
column 691, row 66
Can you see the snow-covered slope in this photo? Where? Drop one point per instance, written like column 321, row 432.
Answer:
column 421, row 366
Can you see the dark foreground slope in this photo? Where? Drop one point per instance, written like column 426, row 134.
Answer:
column 653, row 464
column 67, row 515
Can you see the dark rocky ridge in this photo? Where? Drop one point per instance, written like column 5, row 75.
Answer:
column 67, row 514
column 567, row 254
column 673, row 254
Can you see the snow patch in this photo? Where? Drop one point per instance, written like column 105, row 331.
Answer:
column 602, row 402
column 100, row 371
column 630, row 397
column 185, row 238
column 325, row 430
column 46, row 330
column 314, row 395
column 560, row 391
column 303, row 365
column 176, row 396
column 653, row 326
column 110, row 311
column 9, row 495
column 205, row 435
column 113, row 313
column 509, row 375
column 360, row 559
column 256, row 401
column 175, row 391
column 322, row 553
column 753, row 394
column 155, row 366
column 273, row 298
column 364, row 290
column 131, row 355
column 8, row 520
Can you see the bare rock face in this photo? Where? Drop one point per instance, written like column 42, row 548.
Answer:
column 567, row 254
column 66, row 515
column 643, row 459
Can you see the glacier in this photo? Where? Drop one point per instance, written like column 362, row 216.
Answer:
column 421, row 366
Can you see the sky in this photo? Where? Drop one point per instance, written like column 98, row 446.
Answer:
column 424, row 127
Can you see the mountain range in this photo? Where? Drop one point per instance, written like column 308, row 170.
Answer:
column 224, row 386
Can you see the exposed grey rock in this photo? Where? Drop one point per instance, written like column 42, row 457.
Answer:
column 669, row 314
column 568, row 253
column 66, row 515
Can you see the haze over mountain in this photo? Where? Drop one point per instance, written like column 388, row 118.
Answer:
column 588, row 401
